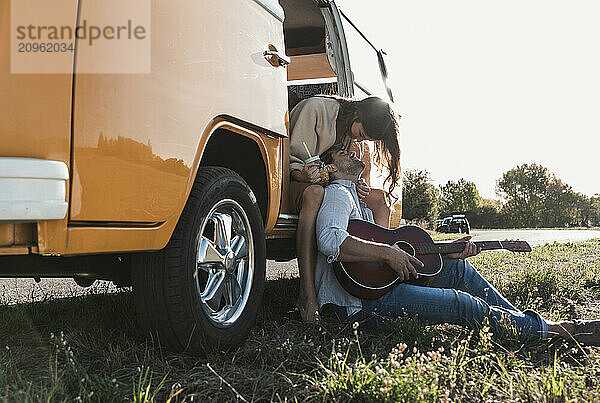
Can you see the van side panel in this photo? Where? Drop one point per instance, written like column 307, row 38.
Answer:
column 35, row 113
column 136, row 136
column 99, row 239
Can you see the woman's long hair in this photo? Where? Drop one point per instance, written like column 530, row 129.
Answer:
column 381, row 126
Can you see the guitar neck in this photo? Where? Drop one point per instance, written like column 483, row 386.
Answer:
column 453, row 247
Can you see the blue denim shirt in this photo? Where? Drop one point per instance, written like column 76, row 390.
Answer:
column 340, row 204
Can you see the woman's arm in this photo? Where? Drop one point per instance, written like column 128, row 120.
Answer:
column 302, row 135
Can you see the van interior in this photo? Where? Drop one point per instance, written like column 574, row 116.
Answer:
column 310, row 71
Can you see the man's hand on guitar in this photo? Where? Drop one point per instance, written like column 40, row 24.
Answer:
column 470, row 249
column 402, row 263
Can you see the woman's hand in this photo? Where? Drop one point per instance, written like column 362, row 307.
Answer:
column 362, row 189
column 470, row 249
column 347, row 143
column 310, row 173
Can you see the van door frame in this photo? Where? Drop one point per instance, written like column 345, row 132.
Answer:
column 335, row 30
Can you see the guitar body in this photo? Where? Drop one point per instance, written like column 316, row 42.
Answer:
column 371, row 280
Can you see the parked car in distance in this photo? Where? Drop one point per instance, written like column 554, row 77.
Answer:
column 457, row 223
column 440, row 222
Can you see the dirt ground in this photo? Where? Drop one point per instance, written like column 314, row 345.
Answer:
column 23, row 290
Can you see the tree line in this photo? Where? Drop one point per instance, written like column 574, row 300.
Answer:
column 530, row 196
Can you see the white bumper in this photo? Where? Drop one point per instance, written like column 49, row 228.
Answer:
column 32, row 189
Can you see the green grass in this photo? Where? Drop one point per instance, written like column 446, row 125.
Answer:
column 89, row 349
column 440, row 236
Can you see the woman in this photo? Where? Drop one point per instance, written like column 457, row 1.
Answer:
column 316, row 124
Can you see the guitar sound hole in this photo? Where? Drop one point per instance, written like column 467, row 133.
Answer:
column 406, row 247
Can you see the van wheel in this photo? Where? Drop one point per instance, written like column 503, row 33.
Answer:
column 205, row 287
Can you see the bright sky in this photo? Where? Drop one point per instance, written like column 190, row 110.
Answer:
column 483, row 86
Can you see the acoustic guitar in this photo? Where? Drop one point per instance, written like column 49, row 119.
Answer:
column 371, row 280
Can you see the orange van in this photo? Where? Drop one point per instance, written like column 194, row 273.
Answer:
column 174, row 180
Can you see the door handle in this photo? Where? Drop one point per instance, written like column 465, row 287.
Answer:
column 275, row 58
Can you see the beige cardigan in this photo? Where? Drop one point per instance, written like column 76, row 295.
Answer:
column 312, row 122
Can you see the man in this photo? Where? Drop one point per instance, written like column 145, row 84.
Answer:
column 458, row 295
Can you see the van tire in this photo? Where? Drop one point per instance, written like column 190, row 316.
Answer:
column 174, row 300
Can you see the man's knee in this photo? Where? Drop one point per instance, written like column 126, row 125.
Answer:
column 452, row 265
column 313, row 195
column 468, row 269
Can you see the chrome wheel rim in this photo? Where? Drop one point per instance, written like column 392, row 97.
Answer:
column 224, row 263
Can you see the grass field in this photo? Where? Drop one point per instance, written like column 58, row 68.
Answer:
column 89, row 349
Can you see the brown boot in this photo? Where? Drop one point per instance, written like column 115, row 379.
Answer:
column 587, row 332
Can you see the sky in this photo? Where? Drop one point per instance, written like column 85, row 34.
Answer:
column 483, row 86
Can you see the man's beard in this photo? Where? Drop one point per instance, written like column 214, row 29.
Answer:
column 353, row 168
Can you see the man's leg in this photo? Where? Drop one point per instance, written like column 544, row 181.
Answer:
column 445, row 305
column 461, row 275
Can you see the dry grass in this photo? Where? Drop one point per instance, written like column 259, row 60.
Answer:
column 87, row 348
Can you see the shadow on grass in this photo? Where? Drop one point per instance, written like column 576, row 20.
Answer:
column 90, row 347
column 112, row 315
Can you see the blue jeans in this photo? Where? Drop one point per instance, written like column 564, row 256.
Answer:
column 458, row 295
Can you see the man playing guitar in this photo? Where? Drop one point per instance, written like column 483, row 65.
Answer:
column 458, row 294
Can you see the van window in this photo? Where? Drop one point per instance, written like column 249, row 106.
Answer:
column 303, row 27
column 364, row 63
column 312, row 68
